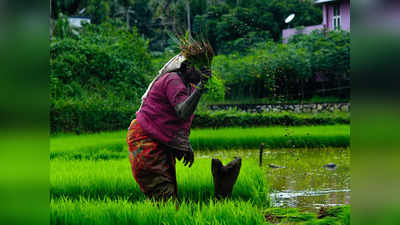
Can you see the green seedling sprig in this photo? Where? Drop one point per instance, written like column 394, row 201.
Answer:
column 198, row 52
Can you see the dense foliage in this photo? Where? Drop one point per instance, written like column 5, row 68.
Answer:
column 97, row 78
column 288, row 71
column 78, row 117
column 330, row 52
column 90, row 115
column 219, row 119
column 98, row 73
column 94, row 114
column 230, row 25
column 237, row 25
column 102, row 61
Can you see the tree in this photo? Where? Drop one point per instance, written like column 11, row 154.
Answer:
column 99, row 11
column 125, row 10
column 66, row 7
column 188, row 17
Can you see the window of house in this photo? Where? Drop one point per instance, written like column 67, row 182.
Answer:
column 336, row 17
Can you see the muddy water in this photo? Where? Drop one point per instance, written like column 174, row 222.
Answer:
column 298, row 178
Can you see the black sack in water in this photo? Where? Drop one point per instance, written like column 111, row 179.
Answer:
column 225, row 176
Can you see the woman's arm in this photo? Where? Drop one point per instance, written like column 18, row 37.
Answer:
column 186, row 108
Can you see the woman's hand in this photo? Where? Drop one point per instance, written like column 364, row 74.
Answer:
column 188, row 158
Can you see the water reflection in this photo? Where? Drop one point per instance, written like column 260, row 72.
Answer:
column 302, row 178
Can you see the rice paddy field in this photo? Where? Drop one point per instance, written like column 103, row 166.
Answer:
column 91, row 180
column 113, row 179
column 113, row 144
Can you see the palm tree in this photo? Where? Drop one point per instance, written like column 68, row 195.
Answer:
column 124, row 10
column 166, row 11
column 162, row 10
column 188, row 17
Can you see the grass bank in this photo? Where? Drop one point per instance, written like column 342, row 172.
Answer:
column 252, row 100
column 107, row 145
column 233, row 118
column 113, row 179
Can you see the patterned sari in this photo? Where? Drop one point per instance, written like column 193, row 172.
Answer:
column 153, row 165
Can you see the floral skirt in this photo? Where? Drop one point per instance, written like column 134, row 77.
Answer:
column 153, row 166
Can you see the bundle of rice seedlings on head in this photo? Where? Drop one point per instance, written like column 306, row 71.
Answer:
column 199, row 53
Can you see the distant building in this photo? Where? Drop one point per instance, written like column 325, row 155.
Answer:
column 77, row 22
column 335, row 16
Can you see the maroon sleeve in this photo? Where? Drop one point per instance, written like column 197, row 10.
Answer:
column 175, row 89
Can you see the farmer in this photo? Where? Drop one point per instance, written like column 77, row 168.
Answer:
column 160, row 132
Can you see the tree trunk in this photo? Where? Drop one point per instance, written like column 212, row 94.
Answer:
column 127, row 18
column 188, row 17
column 174, row 21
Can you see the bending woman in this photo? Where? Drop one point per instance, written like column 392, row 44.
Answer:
column 160, row 132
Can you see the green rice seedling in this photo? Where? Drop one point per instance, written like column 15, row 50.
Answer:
column 93, row 179
column 273, row 137
column 112, row 151
column 72, row 142
column 338, row 215
column 104, row 145
column 198, row 52
column 112, row 145
column 113, row 178
column 124, row 212
column 340, row 212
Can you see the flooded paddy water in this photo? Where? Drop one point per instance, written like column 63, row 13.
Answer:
column 307, row 179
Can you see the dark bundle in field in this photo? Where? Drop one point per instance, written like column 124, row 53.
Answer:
column 199, row 53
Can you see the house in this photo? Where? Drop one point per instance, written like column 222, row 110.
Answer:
column 77, row 22
column 335, row 16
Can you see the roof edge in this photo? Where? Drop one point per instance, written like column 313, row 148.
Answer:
column 323, row 1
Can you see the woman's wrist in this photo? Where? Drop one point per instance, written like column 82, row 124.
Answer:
column 201, row 87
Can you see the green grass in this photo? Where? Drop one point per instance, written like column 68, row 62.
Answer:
column 113, row 179
column 100, row 189
column 112, row 145
column 68, row 142
column 124, row 212
column 338, row 215
column 273, row 137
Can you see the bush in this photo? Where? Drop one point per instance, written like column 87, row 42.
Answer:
column 236, row 26
column 243, row 44
column 216, row 119
column 330, row 51
column 276, row 69
column 97, row 78
column 90, row 115
column 95, row 115
column 330, row 60
column 101, row 60
column 290, row 71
